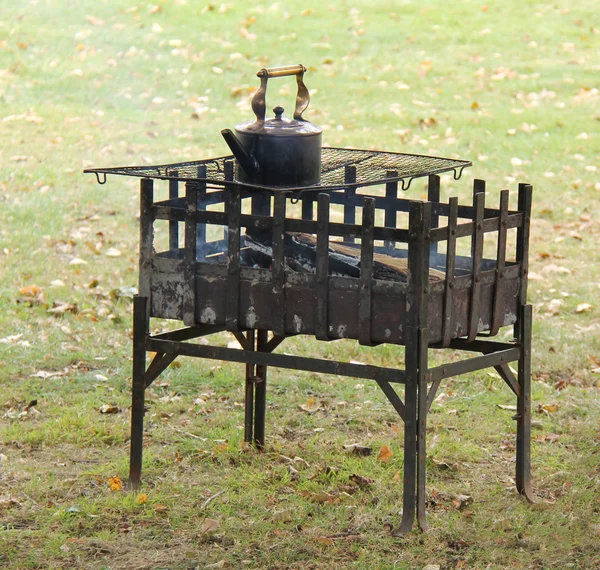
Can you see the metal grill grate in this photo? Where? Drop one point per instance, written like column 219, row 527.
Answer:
column 366, row 167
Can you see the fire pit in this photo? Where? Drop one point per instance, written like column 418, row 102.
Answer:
column 268, row 263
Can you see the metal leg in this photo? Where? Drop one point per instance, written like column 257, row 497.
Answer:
column 260, row 393
column 523, row 472
column 422, row 428
column 410, row 431
column 249, row 398
column 140, row 327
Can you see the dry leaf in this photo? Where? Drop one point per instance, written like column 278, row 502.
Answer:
column 9, row 503
column 109, row 409
column 311, row 405
column 60, row 308
column 553, row 268
column 322, row 497
column 115, row 483
column 358, row 449
column 112, row 252
column 362, row 482
column 325, row 540
column 209, row 525
column 554, row 306
column 93, row 21
column 31, row 294
column 547, row 408
column 385, row 454
column 142, row 499
column 461, row 501
column 160, row 508
column 583, row 308
column 510, row 407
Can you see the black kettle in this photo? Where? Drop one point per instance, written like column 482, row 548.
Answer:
column 277, row 151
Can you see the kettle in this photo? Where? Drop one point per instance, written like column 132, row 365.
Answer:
column 279, row 151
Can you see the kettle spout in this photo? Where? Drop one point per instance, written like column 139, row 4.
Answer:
column 244, row 158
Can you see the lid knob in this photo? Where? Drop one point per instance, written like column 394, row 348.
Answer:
column 278, row 112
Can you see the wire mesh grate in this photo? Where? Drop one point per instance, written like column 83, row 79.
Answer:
column 367, row 167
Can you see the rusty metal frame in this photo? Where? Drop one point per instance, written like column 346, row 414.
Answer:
column 419, row 381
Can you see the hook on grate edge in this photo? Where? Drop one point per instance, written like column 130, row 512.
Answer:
column 103, row 181
column 458, row 172
column 406, row 183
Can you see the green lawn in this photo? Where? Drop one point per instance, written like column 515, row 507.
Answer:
column 511, row 86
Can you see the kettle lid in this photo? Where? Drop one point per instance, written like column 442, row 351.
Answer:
column 279, row 126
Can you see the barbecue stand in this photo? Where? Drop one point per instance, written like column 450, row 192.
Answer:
column 212, row 285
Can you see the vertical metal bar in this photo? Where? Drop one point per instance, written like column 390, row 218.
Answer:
column 261, row 203
column 322, row 269
column 307, row 206
column 229, row 169
column 522, row 257
column 350, row 193
column 433, row 195
column 476, row 255
column 146, row 236
column 498, row 308
column 365, row 286
column 278, row 264
column 173, row 224
column 523, row 466
column 249, row 392
column 447, row 332
column 416, row 366
column 260, row 393
column 418, row 262
column 410, row 431
column 140, row 329
column 201, row 206
column 189, row 266
column 391, row 212
column 233, row 258
column 422, row 425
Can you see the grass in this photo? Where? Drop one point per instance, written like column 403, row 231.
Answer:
column 507, row 85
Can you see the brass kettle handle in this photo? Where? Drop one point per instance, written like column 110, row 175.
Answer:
column 259, row 105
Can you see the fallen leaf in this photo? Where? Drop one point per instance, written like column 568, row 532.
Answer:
column 109, row 409
column 209, row 525
column 93, row 21
column 112, row 252
column 60, row 308
column 31, row 294
column 553, row 268
column 142, row 499
column 115, row 483
column 554, row 306
column 461, row 501
column 160, row 508
column 43, row 374
column 322, row 497
column 547, row 408
column 216, row 565
column 324, row 540
column 361, row 481
column 311, row 405
column 583, row 308
column 358, row 449
column 9, row 503
column 385, row 454
column 507, row 407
